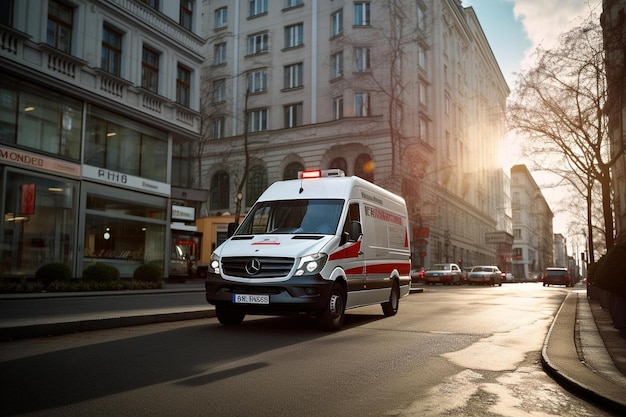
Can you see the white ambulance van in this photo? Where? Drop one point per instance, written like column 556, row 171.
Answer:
column 317, row 245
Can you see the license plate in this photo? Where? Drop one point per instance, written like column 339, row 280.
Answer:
column 251, row 299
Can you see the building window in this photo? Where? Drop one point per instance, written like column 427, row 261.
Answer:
column 257, row 7
column 219, row 91
column 59, row 29
column 291, row 170
column 517, row 233
column 183, row 86
column 33, row 118
column 111, row 51
column 421, row 56
column 338, row 108
column 257, row 81
column 364, row 167
column 152, row 3
column 119, row 144
column 423, row 93
column 186, row 13
column 219, row 53
column 294, row 3
column 337, row 23
column 257, row 120
column 221, row 17
column 258, row 44
column 220, row 191
column 362, row 13
column 336, row 65
column 150, row 70
column 293, row 76
column 339, row 163
column 361, row 59
column 219, row 125
column 293, row 115
column 421, row 17
column 294, row 35
column 423, row 128
column 256, row 184
column 6, row 13
column 361, row 104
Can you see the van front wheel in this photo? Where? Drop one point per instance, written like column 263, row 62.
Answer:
column 390, row 308
column 333, row 315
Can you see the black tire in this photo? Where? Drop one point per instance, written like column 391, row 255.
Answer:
column 334, row 314
column 228, row 316
column 390, row 308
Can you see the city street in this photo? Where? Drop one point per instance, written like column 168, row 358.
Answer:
column 472, row 351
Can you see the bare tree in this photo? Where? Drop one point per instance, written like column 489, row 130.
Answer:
column 559, row 106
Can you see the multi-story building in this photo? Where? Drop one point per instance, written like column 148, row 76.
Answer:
column 405, row 94
column 614, row 29
column 533, row 238
column 99, row 106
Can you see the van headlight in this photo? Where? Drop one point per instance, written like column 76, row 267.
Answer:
column 214, row 264
column 311, row 264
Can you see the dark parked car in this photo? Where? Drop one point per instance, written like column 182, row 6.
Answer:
column 485, row 275
column 557, row 276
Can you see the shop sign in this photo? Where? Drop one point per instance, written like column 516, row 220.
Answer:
column 125, row 180
column 31, row 160
column 495, row 238
column 28, row 199
column 183, row 213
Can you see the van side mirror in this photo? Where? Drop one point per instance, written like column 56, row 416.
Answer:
column 354, row 231
column 231, row 229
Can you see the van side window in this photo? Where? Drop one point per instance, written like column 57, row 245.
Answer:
column 353, row 216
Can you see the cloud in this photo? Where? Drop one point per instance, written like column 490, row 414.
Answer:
column 544, row 20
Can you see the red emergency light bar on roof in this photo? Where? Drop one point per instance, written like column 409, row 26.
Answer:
column 319, row 173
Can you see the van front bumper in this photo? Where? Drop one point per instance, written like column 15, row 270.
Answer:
column 298, row 295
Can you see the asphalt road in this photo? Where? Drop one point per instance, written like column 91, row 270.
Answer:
column 471, row 351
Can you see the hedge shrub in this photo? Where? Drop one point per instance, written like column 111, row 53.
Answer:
column 100, row 272
column 611, row 273
column 55, row 271
column 148, row 273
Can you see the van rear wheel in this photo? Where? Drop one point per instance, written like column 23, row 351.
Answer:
column 228, row 316
column 390, row 308
column 334, row 314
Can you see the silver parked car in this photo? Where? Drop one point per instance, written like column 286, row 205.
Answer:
column 446, row 274
column 485, row 275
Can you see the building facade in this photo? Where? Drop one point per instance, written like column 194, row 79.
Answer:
column 533, row 238
column 614, row 28
column 405, row 94
column 99, row 108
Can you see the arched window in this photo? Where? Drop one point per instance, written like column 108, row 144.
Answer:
column 364, row 167
column 291, row 170
column 256, row 184
column 220, row 191
column 339, row 163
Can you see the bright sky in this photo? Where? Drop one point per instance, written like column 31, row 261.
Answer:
column 514, row 28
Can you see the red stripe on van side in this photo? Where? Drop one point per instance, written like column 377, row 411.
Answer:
column 351, row 251
column 402, row 267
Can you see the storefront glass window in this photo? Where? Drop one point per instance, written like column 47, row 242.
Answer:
column 124, row 233
column 49, row 123
column 122, row 145
column 38, row 224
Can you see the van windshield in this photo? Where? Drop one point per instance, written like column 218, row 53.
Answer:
column 320, row 216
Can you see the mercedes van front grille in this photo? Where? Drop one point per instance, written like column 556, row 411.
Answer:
column 253, row 267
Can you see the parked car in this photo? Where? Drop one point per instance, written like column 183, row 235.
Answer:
column 507, row 277
column 417, row 275
column 557, row 276
column 485, row 275
column 446, row 274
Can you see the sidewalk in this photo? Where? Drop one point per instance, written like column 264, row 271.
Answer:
column 582, row 351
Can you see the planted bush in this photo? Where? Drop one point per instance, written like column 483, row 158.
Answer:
column 55, row 271
column 148, row 273
column 100, row 272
